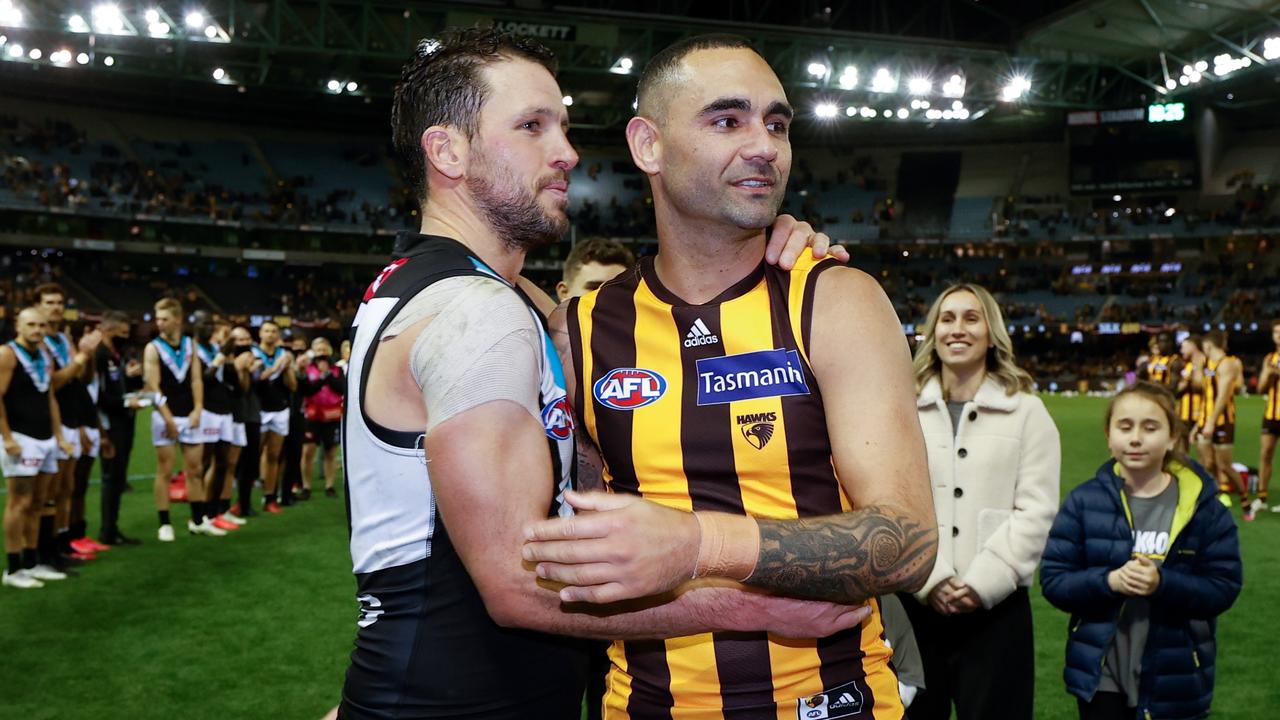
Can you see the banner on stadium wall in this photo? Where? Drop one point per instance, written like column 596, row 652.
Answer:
column 87, row 244
column 578, row 33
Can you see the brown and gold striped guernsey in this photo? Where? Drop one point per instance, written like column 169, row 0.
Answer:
column 1211, row 393
column 1160, row 368
column 715, row 407
column 1272, row 409
column 1191, row 400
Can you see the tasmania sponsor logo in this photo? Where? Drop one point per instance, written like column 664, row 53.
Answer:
column 629, row 388
column 557, row 418
column 757, row 428
column 749, row 376
column 382, row 277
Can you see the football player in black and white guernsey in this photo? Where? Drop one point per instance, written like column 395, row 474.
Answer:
column 173, row 373
column 273, row 385
column 31, row 429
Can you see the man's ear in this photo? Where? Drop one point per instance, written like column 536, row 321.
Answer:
column 445, row 150
column 645, row 141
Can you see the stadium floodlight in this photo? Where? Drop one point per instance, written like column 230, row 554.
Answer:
column 210, row 32
column 946, row 114
column 219, row 73
column 962, row 114
column 82, row 59
column 884, row 82
column 1271, row 48
column 622, row 66
column 567, row 100
column 1116, row 198
column 3, row 39
column 867, row 112
column 1201, row 66
column 334, row 86
column 849, row 78
column 107, row 19
column 108, row 61
column 10, row 15
column 818, row 70
column 934, row 114
column 158, row 29
column 60, row 57
column 888, row 113
column 1171, row 84
column 152, row 16
column 35, row 54
column 15, row 51
column 1196, row 76
column 903, row 113
column 826, row 111
column 1184, row 81
column 1187, row 69
column 1170, row 212
column 353, row 86
column 957, row 105
column 954, row 86
column 919, row 86
column 76, row 24
column 194, row 20
column 1017, row 86
column 851, row 111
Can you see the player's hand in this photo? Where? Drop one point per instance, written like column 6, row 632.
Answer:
column 789, row 237
column 106, row 449
column 64, row 446
column 84, row 439
column 11, row 447
column 90, row 341
column 133, row 368
column 171, row 429
column 618, row 547
column 193, row 420
column 796, row 618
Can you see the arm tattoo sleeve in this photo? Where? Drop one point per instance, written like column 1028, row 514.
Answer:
column 845, row 558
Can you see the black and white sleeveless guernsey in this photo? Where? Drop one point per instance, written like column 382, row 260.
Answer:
column 426, row 647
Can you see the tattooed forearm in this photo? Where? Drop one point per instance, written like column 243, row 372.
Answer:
column 590, row 465
column 845, row 558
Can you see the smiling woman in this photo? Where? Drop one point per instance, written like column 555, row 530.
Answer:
column 994, row 460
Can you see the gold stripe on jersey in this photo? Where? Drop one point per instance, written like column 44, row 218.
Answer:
column 1191, row 400
column 1159, row 368
column 1228, row 417
column 1272, row 408
column 764, row 456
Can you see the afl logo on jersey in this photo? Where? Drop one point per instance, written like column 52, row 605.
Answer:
column 629, row 388
column 557, row 418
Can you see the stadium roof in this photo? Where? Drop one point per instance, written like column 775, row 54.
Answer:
column 1022, row 61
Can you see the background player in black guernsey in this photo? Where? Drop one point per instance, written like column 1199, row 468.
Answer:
column 456, row 431
column 273, row 385
column 117, row 376
column 172, row 372
column 31, row 430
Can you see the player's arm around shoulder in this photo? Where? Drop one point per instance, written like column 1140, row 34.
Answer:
column 590, row 464
column 888, row 542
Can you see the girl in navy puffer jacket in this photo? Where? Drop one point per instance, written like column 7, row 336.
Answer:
column 1144, row 558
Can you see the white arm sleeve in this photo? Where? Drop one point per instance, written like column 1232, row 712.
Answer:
column 480, row 345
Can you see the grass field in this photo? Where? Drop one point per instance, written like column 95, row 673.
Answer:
column 259, row 624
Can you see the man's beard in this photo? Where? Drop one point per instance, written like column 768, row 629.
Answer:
column 513, row 212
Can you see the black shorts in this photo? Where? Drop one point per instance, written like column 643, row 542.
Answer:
column 1271, row 427
column 1225, row 434
column 320, row 432
column 426, row 648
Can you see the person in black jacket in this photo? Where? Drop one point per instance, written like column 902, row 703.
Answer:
column 118, row 376
column 1145, row 559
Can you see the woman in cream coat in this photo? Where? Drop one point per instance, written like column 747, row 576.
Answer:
column 994, row 460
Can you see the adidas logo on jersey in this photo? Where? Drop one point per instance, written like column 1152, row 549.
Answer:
column 700, row 334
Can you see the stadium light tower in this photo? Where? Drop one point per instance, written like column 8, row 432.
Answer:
column 883, row 82
column 919, row 85
column 825, row 110
column 195, row 20
column 818, row 70
column 10, row 15
column 1017, row 86
column 107, row 19
column 849, row 78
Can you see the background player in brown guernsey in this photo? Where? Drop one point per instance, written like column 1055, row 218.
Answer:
column 1269, row 385
column 716, row 384
column 1219, row 424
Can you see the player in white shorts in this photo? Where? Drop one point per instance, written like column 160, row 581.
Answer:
column 172, row 370
column 30, row 427
column 273, row 385
column 217, row 424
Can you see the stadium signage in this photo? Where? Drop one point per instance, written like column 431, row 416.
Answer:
column 563, row 33
column 1106, row 117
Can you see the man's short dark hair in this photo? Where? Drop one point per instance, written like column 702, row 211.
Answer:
column 442, row 84
column 49, row 288
column 114, row 317
column 661, row 68
column 597, row 250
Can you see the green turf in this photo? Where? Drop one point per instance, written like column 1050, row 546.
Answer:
column 259, row 625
